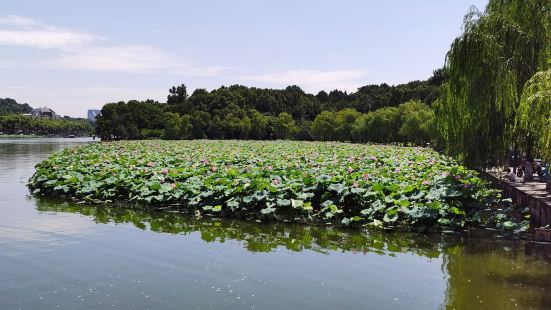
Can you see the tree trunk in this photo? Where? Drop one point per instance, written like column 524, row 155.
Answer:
column 515, row 160
column 528, row 171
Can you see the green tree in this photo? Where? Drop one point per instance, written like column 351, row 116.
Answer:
column 324, row 126
column 304, row 133
column 245, row 128
column 172, row 130
column 177, row 95
column 23, row 124
column 486, row 68
column 259, row 125
column 186, row 127
column 201, row 122
column 361, row 129
column 381, row 126
column 285, row 126
column 345, row 120
column 417, row 121
column 231, row 126
column 8, row 106
column 533, row 122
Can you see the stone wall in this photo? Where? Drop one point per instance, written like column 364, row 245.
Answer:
column 538, row 201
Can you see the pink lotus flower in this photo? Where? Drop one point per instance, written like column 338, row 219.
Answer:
column 164, row 171
column 425, row 182
column 275, row 182
column 350, row 170
column 355, row 185
column 151, row 164
column 373, row 158
column 213, row 168
column 366, row 177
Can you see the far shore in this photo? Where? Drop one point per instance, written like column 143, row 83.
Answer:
column 38, row 136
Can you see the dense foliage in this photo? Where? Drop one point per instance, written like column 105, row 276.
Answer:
column 283, row 180
column 409, row 122
column 28, row 125
column 487, row 68
column 9, row 106
column 239, row 112
column 534, row 113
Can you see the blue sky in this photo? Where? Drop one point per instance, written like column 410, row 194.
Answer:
column 76, row 55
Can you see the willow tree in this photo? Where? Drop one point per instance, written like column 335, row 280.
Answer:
column 533, row 121
column 499, row 50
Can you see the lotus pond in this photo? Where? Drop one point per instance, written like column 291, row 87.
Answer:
column 324, row 182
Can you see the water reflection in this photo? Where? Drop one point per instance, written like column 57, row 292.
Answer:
column 488, row 274
column 261, row 237
column 482, row 272
column 21, row 231
column 19, row 156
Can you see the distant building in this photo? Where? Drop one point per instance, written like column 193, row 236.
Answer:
column 44, row 112
column 92, row 114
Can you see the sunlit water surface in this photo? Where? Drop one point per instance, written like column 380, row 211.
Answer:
column 56, row 255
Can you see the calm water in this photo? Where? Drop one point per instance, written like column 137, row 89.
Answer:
column 55, row 255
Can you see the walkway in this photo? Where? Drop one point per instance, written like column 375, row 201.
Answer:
column 532, row 195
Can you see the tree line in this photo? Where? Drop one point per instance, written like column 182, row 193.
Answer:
column 240, row 112
column 12, row 122
column 410, row 122
column 8, row 106
column 28, row 125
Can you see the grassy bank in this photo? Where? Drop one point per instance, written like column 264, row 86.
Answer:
column 350, row 184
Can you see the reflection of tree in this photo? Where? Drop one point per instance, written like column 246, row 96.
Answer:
column 483, row 273
column 261, row 237
column 488, row 274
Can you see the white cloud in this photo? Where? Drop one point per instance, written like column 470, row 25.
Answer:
column 131, row 58
column 313, row 80
column 21, row 21
column 79, row 50
column 43, row 38
column 22, row 31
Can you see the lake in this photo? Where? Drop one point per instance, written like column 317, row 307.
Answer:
column 58, row 255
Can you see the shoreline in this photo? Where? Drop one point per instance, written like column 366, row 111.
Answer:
column 39, row 136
